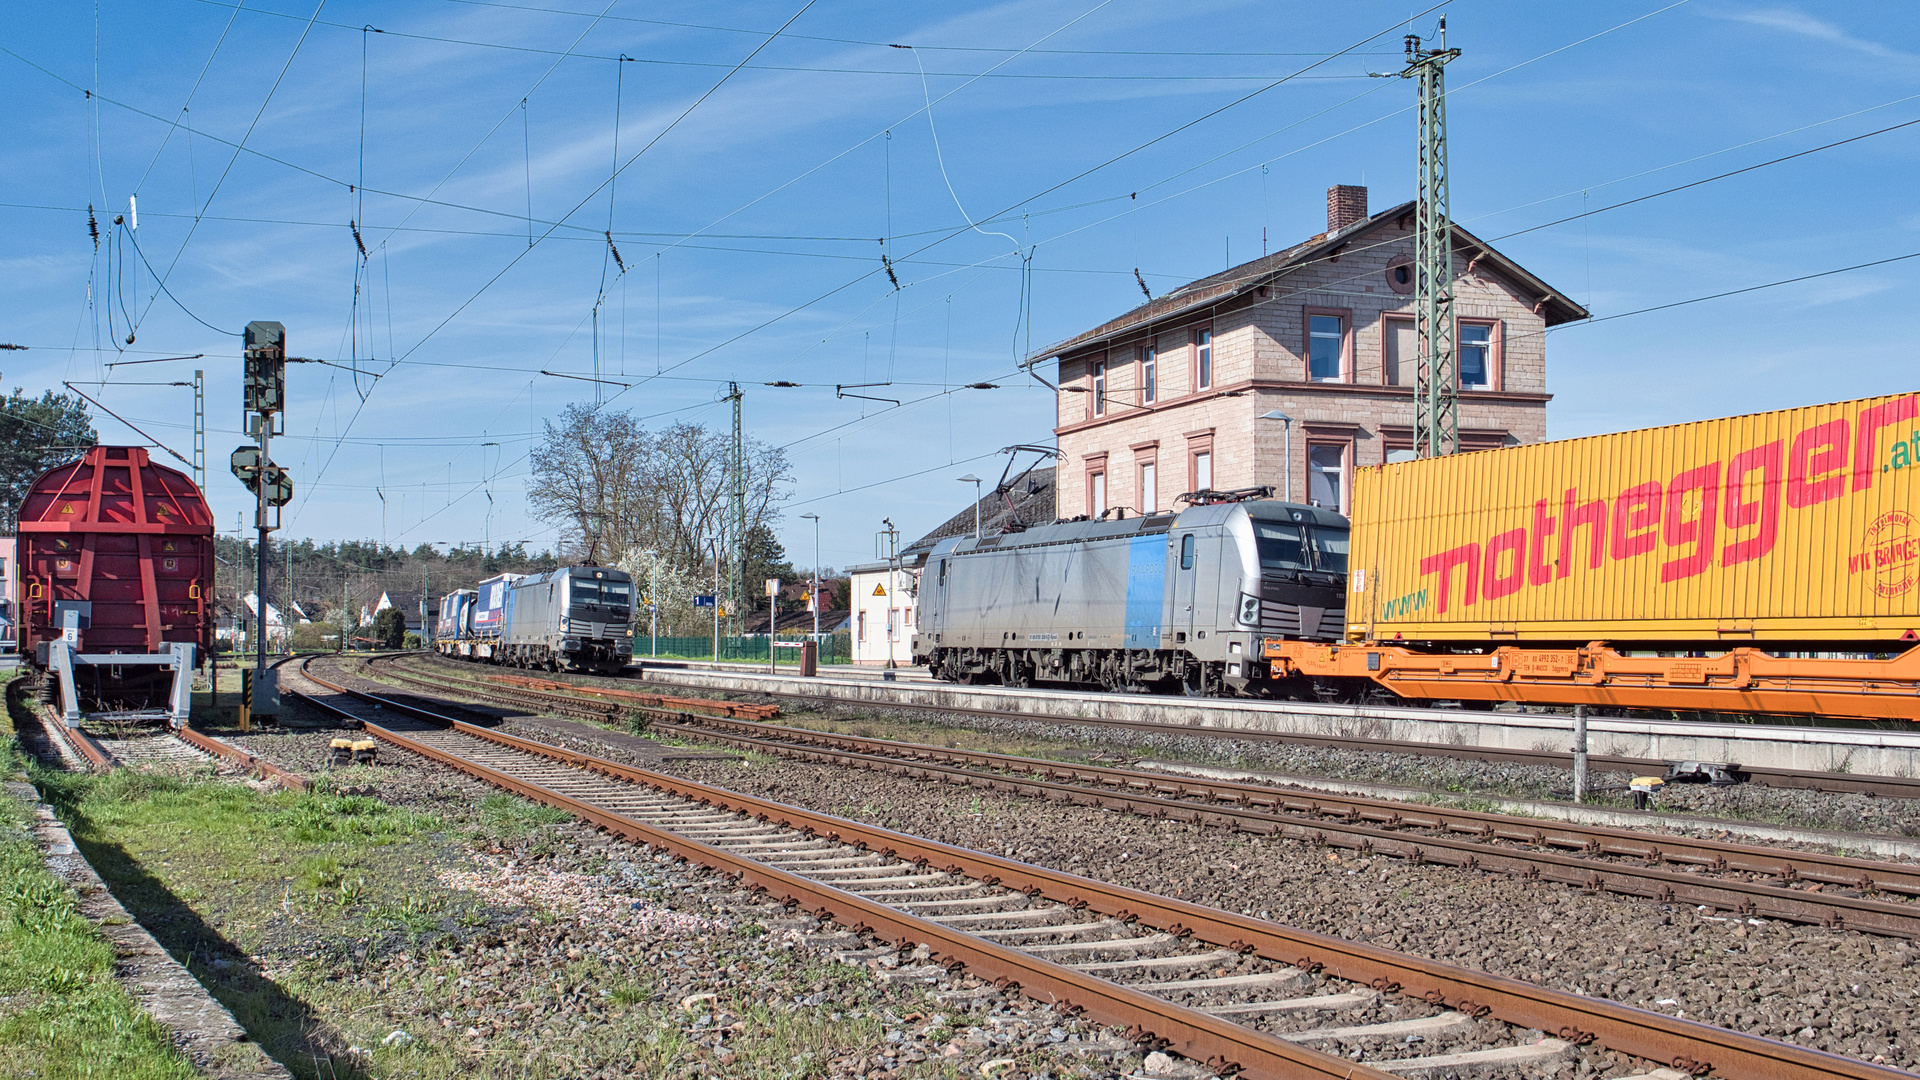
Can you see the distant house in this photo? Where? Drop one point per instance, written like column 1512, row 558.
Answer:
column 416, row 608
column 9, row 546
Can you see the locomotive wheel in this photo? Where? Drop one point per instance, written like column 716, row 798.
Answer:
column 1194, row 683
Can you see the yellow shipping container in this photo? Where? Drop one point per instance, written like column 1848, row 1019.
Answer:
column 1790, row 526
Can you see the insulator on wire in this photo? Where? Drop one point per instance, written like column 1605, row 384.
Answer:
column 357, row 242
column 616, row 252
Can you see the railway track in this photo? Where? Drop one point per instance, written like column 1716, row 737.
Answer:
column 1177, row 975
column 1896, row 787
column 140, row 747
column 1796, row 886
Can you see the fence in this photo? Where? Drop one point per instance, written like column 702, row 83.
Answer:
column 834, row 648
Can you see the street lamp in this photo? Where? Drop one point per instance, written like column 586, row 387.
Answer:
column 975, row 481
column 1286, row 427
column 815, row 518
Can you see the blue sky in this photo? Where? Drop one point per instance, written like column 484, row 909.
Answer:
column 752, row 222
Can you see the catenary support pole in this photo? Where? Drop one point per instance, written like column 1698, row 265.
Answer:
column 1436, row 412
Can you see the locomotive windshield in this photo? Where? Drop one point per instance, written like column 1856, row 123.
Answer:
column 1281, row 545
column 1284, row 545
column 613, row 594
column 1329, row 548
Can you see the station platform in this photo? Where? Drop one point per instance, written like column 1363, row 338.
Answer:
column 1875, row 752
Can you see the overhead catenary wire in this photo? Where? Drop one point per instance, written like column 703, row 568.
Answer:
column 880, row 44
column 221, row 182
column 529, row 215
column 1047, row 191
column 574, row 54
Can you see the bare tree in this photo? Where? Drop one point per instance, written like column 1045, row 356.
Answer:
column 618, row 490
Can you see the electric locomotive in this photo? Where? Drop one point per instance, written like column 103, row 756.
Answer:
column 574, row 618
column 1160, row 603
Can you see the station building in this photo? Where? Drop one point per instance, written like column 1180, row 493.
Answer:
column 1168, row 398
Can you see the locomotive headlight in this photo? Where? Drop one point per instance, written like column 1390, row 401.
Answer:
column 1249, row 610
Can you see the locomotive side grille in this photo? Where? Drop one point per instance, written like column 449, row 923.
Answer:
column 1280, row 620
column 1310, row 611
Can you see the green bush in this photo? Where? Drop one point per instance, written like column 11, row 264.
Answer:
column 389, row 628
column 315, row 637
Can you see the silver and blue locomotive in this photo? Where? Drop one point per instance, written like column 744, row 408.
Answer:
column 574, row 618
column 1160, row 603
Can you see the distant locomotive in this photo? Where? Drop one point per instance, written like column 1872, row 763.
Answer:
column 115, row 584
column 1166, row 602
column 574, row 618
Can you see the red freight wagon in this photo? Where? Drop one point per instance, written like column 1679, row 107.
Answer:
column 116, row 583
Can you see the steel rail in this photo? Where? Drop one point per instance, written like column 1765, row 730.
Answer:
column 1222, row 1044
column 1687, row 1045
column 80, row 741
column 1747, row 898
column 1899, row 787
column 255, row 765
column 1370, row 826
column 1903, row 879
column 79, row 744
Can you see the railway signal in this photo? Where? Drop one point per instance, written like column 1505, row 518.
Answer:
column 264, row 399
column 246, row 466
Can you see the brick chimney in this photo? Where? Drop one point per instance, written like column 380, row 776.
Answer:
column 1346, row 204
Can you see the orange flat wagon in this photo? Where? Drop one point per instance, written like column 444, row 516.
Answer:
column 1671, row 567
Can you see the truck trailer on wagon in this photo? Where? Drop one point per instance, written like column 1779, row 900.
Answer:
column 1763, row 563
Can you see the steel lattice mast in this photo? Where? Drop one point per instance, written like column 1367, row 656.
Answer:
column 1436, row 420
column 736, row 519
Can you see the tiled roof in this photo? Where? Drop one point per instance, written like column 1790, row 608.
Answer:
column 1027, row 502
column 1215, row 288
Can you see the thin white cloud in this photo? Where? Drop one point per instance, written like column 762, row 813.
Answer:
column 1800, row 24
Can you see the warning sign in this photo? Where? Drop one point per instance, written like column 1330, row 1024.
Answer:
column 879, row 590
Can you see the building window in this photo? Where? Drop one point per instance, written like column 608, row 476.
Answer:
column 1399, row 352
column 1097, row 493
column 862, row 628
column 1149, row 374
column 1202, row 359
column 1326, row 347
column 1149, row 487
column 1476, row 356
column 1100, row 388
column 1326, row 475
column 1203, row 470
